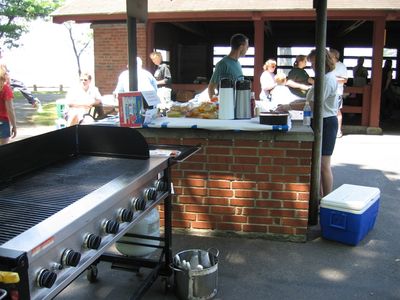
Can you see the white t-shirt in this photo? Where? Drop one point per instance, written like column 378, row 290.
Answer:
column 330, row 98
column 146, row 81
column 281, row 94
column 267, row 79
column 340, row 71
column 78, row 94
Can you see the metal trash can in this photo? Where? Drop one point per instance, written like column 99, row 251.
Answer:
column 194, row 282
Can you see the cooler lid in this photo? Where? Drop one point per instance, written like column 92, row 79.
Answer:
column 351, row 197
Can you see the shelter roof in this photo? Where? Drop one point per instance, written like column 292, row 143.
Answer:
column 98, row 9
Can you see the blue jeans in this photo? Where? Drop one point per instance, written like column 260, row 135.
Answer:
column 4, row 129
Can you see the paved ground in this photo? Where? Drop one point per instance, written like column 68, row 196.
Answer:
column 259, row 269
column 24, row 111
column 318, row 269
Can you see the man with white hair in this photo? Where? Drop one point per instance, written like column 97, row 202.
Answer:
column 146, row 81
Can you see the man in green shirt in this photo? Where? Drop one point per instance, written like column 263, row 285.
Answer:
column 229, row 66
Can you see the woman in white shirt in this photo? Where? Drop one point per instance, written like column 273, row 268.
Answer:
column 267, row 79
column 329, row 115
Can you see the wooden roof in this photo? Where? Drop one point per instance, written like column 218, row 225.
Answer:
column 90, row 10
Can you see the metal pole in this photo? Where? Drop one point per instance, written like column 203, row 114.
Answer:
column 132, row 45
column 321, row 7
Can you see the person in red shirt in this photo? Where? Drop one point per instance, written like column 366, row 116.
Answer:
column 8, row 126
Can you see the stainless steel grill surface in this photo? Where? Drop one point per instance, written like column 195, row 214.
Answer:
column 46, row 192
column 66, row 196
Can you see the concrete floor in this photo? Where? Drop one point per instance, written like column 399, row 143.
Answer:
column 317, row 269
column 263, row 269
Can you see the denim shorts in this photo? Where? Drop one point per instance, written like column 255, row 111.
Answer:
column 330, row 128
column 4, row 129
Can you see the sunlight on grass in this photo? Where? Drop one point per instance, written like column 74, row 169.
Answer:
column 47, row 117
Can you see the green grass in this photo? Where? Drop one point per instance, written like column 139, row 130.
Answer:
column 47, row 117
column 18, row 96
column 49, row 114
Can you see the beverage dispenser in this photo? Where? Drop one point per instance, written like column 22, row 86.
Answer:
column 226, row 100
column 243, row 99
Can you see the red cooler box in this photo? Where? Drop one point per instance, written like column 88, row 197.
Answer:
column 349, row 213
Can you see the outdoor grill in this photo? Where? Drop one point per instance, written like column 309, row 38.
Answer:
column 67, row 195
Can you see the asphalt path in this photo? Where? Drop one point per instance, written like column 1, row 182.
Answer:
column 24, row 112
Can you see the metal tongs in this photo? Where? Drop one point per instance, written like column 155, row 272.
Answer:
column 3, row 294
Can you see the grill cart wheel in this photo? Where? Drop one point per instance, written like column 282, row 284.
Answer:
column 91, row 273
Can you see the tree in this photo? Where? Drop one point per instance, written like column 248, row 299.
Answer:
column 16, row 14
column 80, row 41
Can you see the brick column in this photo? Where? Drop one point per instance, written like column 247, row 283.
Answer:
column 252, row 187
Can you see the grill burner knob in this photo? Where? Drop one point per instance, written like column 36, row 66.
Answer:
column 138, row 203
column 92, row 241
column 70, row 258
column 110, row 226
column 161, row 185
column 125, row 215
column 150, row 194
column 46, row 278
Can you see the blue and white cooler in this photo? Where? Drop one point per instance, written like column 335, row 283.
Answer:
column 349, row 213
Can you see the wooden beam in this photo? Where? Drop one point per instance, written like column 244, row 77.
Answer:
column 376, row 72
column 258, row 55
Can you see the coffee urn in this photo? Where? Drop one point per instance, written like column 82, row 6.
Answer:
column 243, row 99
column 226, row 110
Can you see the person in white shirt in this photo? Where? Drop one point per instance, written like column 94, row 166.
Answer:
column 81, row 98
column 146, row 81
column 341, row 77
column 281, row 94
column 329, row 117
column 267, row 79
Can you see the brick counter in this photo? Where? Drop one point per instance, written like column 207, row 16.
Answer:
column 251, row 183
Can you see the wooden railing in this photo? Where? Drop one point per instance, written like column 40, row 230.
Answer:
column 59, row 88
column 362, row 109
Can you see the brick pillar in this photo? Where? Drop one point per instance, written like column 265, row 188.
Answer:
column 111, row 52
column 251, row 187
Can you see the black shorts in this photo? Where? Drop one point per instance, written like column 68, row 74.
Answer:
column 329, row 132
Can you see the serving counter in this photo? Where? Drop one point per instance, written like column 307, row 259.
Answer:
column 247, row 179
column 215, row 124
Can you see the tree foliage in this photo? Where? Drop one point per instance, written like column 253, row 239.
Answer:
column 16, row 14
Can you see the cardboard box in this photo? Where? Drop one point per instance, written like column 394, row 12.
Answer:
column 131, row 109
column 349, row 213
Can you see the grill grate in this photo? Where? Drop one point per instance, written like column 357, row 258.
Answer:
column 34, row 198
